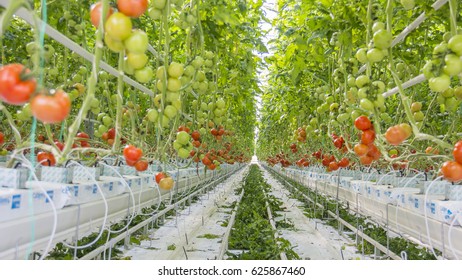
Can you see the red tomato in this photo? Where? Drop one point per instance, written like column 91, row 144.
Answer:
column 333, row 166
column 395, row 135
column 366, row 160
column 338, row 143
column 457, row 152
column 132, row 153
column 132, row 8
column 95, row 13
column 51, row 108
column 160, row 176
column 2, row 138
column 83, row 135
column 363, row 123
column 344, row 162
column 361, row 149
column 141, row 165
column 196, row 135
column 452, row 171
column 111, row 133
column 46, row 159
column 14, row 89
column 105, row 136
column 374, row 152
column 196, row 144
column 368, row 136
column 59, row 145
column 206, row 161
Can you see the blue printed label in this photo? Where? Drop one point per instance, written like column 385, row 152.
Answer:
column 111, row 185
column 16, row 203
column 50, row 194
column 95, row 189
column 76, row 190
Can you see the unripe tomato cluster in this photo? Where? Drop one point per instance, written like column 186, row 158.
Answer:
column 183, row 144
column 445, row 63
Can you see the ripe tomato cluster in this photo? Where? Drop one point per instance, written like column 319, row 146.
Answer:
column 300, row 134
column 133, row 156
column 366, row 149
column 293, row 148
column 339, row 142
column 452, row 170
column 17, row 87
column 397, row 134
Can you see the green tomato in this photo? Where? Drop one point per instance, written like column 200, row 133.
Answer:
column 428, row 70
column 144, row 75
column 175, row 70
column 408, row 4
column 452, row 104
column 170, row 111
column 160, row 73
column 382, row 39
column 177, row 145
column 366, row 104
column 342, row 118
column 386, row 118
column 137, row 42
column 439, row 84
column 378, row 26
column 441, row 99
column 118, row 26
column 137, row 60
column 362, row 92
column 200, row 76
column 158, row 4
column 375, row 55
column 198, row 62
column 221, row 103
column 94, row 103
column 154, row 14
column 458, row 92
column 102, row 129
column 183, row 153
column 183, row 137
column 153, row 115
column 361, row 55
column 165, row 121
column 113, row 45
column 189, row 71
column 453, row 65
column 107, row 121
column 362, row 80
column 173, row 84
column 455, row 44
column 333, row 106
column 419, row 116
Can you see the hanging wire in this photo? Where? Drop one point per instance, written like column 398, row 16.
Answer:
column 34, row 122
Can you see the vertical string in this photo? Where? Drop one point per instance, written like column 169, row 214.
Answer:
column 34, row 122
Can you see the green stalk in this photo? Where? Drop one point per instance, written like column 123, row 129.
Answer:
column 120, row 97
column 453, row 16
column 91, row 87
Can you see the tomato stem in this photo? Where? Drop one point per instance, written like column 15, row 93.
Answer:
column 91, row 87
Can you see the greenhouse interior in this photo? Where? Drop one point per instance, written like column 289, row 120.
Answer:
column 231, row 130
